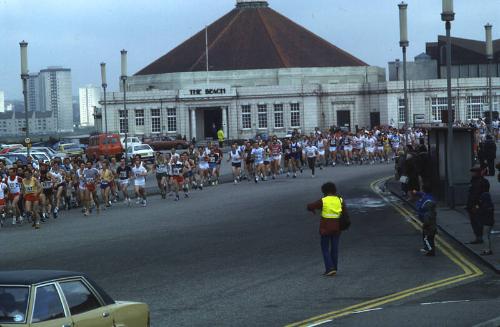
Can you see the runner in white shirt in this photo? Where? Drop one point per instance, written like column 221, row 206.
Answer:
column 258, row 157
column 311, row 153
column 321, row 145
column 3, row 193
column 139, row 174
column 370, row 143
column 235, row 156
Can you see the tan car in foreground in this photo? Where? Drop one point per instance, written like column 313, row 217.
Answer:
column 42, row 298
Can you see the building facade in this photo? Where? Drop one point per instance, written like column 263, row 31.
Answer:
column 40, row 123
column 266, row 74
column 2, row 101
column 89, row 99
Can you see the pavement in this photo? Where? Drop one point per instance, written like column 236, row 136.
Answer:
column 456, row 223
column 248, row 255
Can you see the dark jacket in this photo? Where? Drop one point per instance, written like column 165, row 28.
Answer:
column 426, row 208
column 490, row 149
column 477, row 187
column 486, row 210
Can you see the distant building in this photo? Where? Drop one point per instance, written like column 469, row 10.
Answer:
column 89, row 98
column 50, row 108
column 9, row 107
column 2, row 101
column 40, row 123
column 424, row 67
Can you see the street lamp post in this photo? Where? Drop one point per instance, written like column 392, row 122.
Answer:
column 124, row 81
column 403, row 43
column 24, row 77
column 448, row 15
column 489, row 56
column 104, row 86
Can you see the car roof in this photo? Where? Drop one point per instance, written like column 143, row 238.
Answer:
column 30, row 277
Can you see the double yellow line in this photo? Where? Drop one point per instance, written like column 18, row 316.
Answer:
column 469, row 271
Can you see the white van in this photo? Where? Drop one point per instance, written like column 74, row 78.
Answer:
column 131, row 140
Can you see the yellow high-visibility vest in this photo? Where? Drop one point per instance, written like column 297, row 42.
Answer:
column 332, row 207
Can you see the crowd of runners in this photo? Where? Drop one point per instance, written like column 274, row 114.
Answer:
column 35, row 192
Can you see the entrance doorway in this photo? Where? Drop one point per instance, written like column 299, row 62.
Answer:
column 374, row 119
column 212, row 121
column 344, row 119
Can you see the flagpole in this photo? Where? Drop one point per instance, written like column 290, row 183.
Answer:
column 206, row 53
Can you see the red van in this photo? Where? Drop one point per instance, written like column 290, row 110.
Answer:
column 107, row 145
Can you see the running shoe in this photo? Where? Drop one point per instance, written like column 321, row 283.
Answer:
column 235, row 182
column 144, row 203
column 14, row 221
column 177, row 198
column 138, row 201
column 186, row 195
column 201, row 187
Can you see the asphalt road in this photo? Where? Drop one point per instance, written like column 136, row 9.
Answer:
column 248, row 255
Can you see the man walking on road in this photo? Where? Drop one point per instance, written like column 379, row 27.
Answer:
column 332, row 207
column 478, row 185
column 426, row 207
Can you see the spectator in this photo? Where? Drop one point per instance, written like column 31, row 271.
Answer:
column 490, row 154
column 478, row 185
column 411, row 170
column 426, row 207
column 220, row 137
column 423, row 166
column 486, row 214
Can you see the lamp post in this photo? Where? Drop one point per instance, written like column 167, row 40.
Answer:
column 403, row 43
column 448, row 15
column 124, row 81
column 104, row 86
column 24, row 77
column 489, row 55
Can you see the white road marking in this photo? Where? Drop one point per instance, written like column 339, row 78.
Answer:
column 320, row 323
column 444, row 302
column 368, row 310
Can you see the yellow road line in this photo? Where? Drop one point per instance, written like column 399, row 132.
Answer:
column 470, row 270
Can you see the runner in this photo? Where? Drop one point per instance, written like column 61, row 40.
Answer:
column 295, row 157
column 213, row 159
column 235, row 157
column 178, row 177
column 91, row 176
column 47, row 194
column 249, row 161
column 106, row 179
column 160, row 167
column 31, row 190
column 267, row 159
column 13, row 181
column 370, row 143
column 4, row 189
column 312, row 154
column 258, row 157
column 347, row 143
column 140, row 172
column 321, row 145
column 80, row 179
column 124, row 173
column 276, row 150
column 203, row 167
column 58, row 176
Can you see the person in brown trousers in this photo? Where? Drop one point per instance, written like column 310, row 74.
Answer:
column 332, row 208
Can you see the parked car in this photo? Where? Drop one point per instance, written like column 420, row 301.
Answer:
column 14, row 157
column 37, row 156
column 131, row 140
column 71, row 149
column 8, row 163
column 60, row 298
column 49, row 151
column 166, row 143
column 104, row 145
column 144, row 150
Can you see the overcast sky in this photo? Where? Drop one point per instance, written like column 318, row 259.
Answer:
column 79, row 34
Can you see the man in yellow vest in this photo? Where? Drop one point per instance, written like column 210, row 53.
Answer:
column 332, row 208
column 220, row 137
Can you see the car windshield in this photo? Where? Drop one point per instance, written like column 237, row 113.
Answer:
column 71, row 147
column 13, row 304
column 142, row 147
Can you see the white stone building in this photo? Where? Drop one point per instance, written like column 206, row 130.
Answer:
column 265, row 74
column 89, row 98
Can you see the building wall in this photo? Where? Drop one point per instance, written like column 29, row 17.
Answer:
column 2, row 101
column 89, row 98
column 56, row 94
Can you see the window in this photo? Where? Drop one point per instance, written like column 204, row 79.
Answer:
column 171, row 120
column 48, row 304
column 123, row 121
column 438, row 105
column 475, row 106
column 246, row 117
column 139, row 117
column 278, row 116
column 295, row 115
column 13, row 303
column 155, row 121
column 80, row 299
column 401, row 111
column 262, row 115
